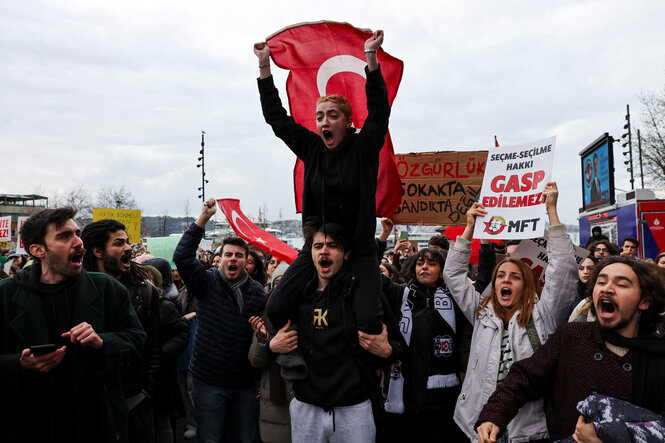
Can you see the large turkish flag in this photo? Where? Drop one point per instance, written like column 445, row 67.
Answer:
column 328, row 58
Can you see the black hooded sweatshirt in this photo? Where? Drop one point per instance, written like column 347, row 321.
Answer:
column 339, row 184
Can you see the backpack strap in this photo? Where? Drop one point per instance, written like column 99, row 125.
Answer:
column 533, row 335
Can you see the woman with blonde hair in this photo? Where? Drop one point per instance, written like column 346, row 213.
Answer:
column 512, row 321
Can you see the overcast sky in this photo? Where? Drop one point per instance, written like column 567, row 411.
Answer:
column 118, row 92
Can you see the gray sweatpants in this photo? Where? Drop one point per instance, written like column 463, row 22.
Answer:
column 344, row 424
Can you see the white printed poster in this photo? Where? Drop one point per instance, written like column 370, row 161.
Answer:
column 206, row 244
column 19, row 241
column 533, row 252
column 6, row 228
column 515, row 177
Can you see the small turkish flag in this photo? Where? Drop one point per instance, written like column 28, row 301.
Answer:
column 252, row 233
column 328, row 58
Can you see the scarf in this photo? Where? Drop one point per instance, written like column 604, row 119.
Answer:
column 438, row 378
column 648, row 359
column 235, row 287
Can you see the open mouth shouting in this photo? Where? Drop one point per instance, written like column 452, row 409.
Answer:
column 505, row 296
column 126, row 259
column 232, row 270
column 325, row 265
column 328, row 137
column 76, row 258
column 606, row 308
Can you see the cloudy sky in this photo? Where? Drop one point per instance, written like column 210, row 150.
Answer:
column 118, row 92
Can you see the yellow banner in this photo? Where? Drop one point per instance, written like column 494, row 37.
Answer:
column 131, row 218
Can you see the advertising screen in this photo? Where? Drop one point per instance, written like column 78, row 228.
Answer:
column 598, row 173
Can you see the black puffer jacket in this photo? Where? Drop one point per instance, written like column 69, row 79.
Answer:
column 223, row 334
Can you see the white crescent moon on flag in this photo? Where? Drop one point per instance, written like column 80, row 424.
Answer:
column 336, row 64
column 235, row 217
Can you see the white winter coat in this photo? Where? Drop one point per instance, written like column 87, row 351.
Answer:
column 548, row 313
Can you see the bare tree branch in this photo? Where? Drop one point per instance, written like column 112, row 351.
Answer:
column 76, row 197
column 653, row 137
column 110, row 196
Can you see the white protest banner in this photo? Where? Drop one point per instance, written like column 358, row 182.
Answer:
column 6, row 228
column 512, row 191
column 205, row 244
column 19, row 241
column 533, row 252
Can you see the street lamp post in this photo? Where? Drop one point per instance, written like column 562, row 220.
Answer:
column 201, row 165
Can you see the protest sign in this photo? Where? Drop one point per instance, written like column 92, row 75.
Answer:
column 19, row 241
column 533, row 252
column 131, row 218
column 438, row 187
column 163, row 247
column 328, row 58
column 512, row 191
column 6, row 228
column 253, row 234
column 205, row 244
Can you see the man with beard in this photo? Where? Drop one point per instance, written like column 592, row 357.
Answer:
column 108, row 251
column 64, row 337
column 223, row 379
column 337, row 397
column 622, row 355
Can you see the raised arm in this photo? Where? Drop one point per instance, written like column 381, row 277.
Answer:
column 375, row 127
column 192, row 271
column 298, row 138
column 372, row 45
column 561, row 275
column 550, row 197
column 454, row 271
column 262, row 52
column 476, row 209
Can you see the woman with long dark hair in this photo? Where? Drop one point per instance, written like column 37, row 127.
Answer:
column 424, row 383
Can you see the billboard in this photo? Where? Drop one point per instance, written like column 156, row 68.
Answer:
column 597, row 163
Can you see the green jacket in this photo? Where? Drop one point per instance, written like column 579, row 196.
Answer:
column 98, row 405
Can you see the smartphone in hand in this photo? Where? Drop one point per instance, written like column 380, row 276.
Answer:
column 38, row 350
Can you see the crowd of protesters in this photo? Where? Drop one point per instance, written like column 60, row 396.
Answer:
column 101, row 341
column 453, row 364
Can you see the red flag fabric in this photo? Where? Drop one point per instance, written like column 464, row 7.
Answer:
column 252, row 233
column 496, row 142
column 328, row 58
column 453, row 231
